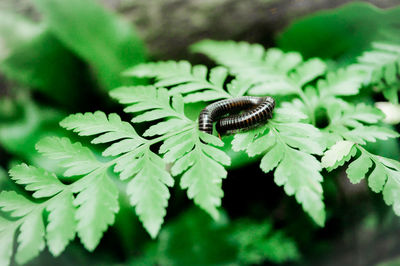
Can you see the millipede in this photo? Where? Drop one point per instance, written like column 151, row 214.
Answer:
column 255, row 111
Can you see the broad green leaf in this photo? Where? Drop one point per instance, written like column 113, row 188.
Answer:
column 19, row 135
column 43, row 183
column 367, row 23
column 110, row 49
column 27, row 57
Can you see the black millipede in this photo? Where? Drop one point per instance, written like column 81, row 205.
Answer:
column 255, row 111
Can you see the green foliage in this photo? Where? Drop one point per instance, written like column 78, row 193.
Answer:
column 352, row 27
column 270, row 71
column 185, row 79
column 258, row 242
column 27, row 124
column 382, row 67
column 28, row 57
column 28, row 215
column 244, row 242
column 290, row 145
column 96, row 35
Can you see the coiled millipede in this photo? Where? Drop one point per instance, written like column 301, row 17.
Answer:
column 255, row 111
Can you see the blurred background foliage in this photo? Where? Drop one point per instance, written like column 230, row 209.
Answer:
column 60, row 57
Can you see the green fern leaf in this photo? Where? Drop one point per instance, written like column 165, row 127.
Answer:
column 155, row 103
column 259, row 241
column 148, row 191
column 148, row 178
column 185, row 79
column 97, row 202
column 202, row 169
column 271, row 71
column 62, row 225
column 297, row 171
column 369, row 133
column 358, row 168
column 77, row 160
column 43, row 183
column 382, row 66
column 341, row 83
column 16, row 204
column 31, row 237
column 109, row 129
column 383, row 178
column 6, row 240
column 336, row 154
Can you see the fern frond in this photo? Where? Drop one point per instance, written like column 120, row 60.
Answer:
column 343, row 82
column 201, row 165
column 155, row 104
column 288, row 147
column 148, row 189
column 76, row 159
column 382, row 66
column 28, row 215
column 182, row 78
column 270, row 71
column 97, row 195
column 145, row 171
column 97, row 203
column 258, row 242
column 384, row 177
column 109, row 130
column 353, row 123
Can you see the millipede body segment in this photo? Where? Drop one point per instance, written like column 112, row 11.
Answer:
column 256, row 110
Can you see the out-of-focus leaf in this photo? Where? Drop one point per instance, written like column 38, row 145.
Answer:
column 44, row 64
column 344, row 31
column 20, row 135
column 107, row 43
column 14, row 31
column 32, row 56
column 194, row 237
